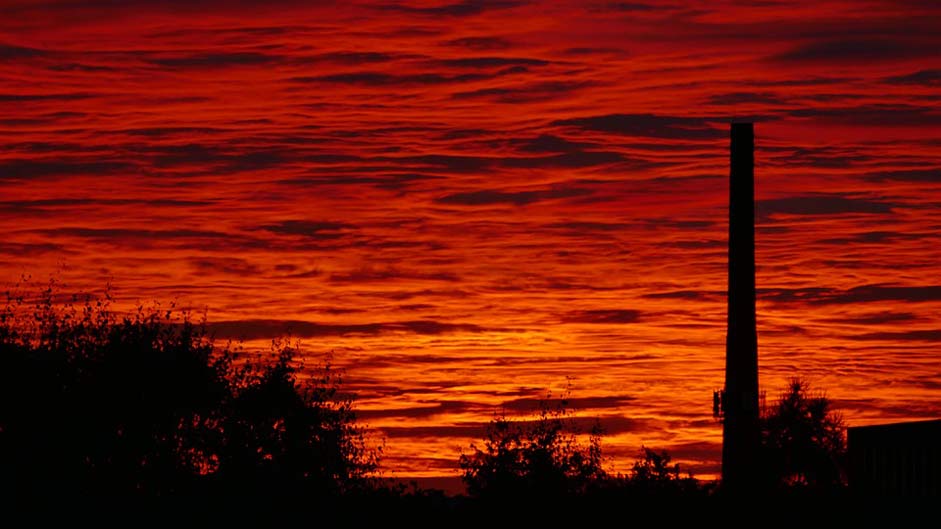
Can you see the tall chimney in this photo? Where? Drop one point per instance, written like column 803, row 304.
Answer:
column 740, row 434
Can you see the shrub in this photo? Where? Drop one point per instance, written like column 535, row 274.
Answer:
column 538, row 457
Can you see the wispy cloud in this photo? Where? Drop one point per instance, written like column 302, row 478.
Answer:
column 518, row 198
column 647, row 126
column 602, row 316
column 268, row 329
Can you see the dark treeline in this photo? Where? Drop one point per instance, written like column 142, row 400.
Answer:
column 112, row 413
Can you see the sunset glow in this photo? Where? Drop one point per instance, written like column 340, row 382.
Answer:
column 470, row 204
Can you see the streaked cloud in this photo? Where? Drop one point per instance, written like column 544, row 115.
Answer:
column 268, row 329
column 821, row 205
column 648, row 125
column 518, row 198
column 602, row 316
column 854, row 50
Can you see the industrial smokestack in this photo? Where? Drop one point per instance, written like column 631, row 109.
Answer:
column 740, row 434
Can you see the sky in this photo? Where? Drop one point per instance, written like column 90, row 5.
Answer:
column 469, row 204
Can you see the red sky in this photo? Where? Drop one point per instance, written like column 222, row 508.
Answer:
column 472, row 203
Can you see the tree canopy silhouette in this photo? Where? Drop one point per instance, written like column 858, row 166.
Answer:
column 523, row 466
column 528, row 458
column 655, row 474
column 803, row 439
column 145, row 405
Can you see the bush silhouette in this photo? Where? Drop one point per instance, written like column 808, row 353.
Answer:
column 655, row 473
column 535, row 458
column 803, row 440
column 145, row 406
column 653, row 477
column 655, row 467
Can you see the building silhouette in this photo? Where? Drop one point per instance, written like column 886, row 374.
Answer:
column 739, row 400
column 896, row 460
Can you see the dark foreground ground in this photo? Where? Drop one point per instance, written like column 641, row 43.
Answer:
column 435, row 509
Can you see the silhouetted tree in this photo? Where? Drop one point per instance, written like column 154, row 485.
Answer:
column 539, row 457
column 803, row 439
column 144, row 405
column 655, row 467
column 277, row 432
column 654, row 473
column 103, row 404
column 653, row 476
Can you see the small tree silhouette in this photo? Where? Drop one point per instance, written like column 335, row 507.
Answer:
column 655, row 467
column 654, row 474
column 541, row 457
column 803, row 439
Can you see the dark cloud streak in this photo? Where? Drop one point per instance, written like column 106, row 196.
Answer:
column 614, row 316
column 257, row 329
column 647, row 126
column 518, row 198
column 822, row 205
column 854, row 50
